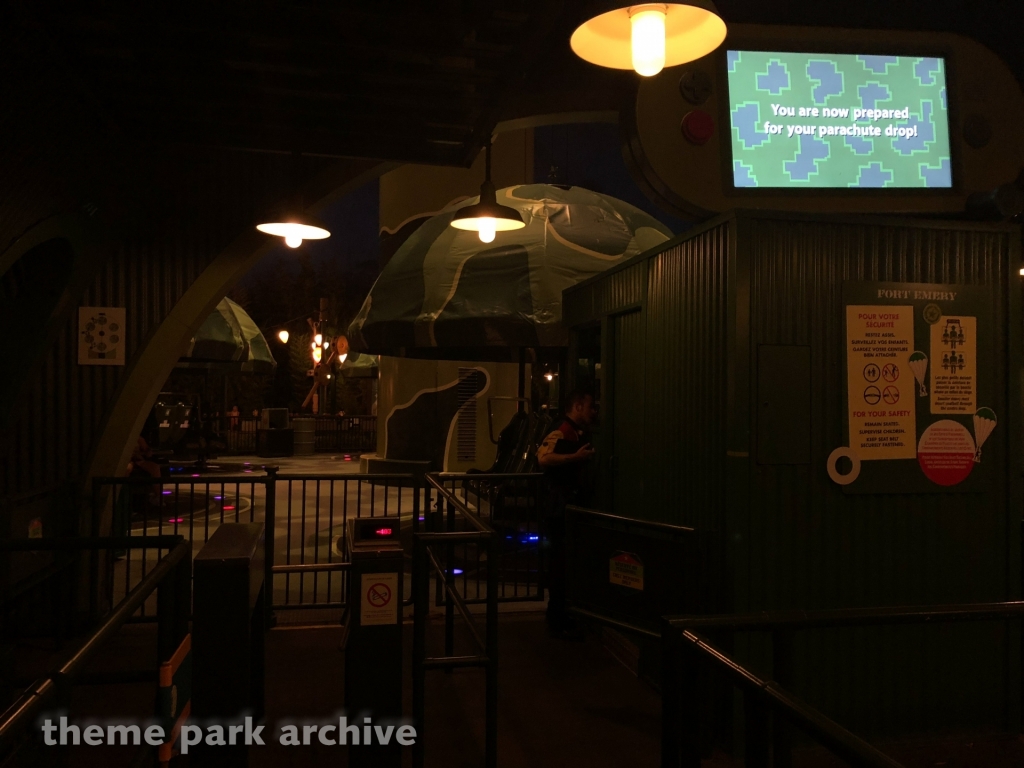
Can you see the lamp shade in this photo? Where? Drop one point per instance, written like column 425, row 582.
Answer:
column 487, row 216
column 295, row 227
column 649, row 36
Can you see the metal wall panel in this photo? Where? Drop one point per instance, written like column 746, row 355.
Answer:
column 626, row 374
column 201, row 210
column 795, row 540
column 686, row 388
column 809, row 545
column 622, row 288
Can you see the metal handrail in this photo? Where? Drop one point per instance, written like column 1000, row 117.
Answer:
column 460, row 604
column 850, row 617
column 87, row 543
column 20, row 714
column 822, row 729
column 454, row 500
column 183, row 479
column 424, row 560
column 367, row 476
column 630, row 520
column 782, row 625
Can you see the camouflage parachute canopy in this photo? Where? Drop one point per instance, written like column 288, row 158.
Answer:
column 229, row 338
column 446, row 295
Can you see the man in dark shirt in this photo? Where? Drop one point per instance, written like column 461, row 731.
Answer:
column 563, row 455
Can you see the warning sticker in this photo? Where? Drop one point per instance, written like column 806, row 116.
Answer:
column 626, row 570
column 954, row 365
column 946, row 452
column 380, row 598
column 881, row 381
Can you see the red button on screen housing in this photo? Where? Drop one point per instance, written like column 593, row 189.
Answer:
column 697, row 126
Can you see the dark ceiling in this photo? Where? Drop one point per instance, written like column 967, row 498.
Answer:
column 412, row 81
column 419, row 82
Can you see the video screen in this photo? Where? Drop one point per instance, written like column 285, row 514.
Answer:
column 838, row 120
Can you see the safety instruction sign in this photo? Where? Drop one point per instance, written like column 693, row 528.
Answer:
column 920, row 389
column 379, row 599
column 626, row 570
column 954, row 349
column 946, row 452
column 880, row 340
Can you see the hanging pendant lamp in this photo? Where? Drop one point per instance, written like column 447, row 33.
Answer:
column 292, row 224
column 295, row 227
column 487, row 217
column 650, row 36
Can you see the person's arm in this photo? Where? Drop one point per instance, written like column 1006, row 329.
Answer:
column 547, row 457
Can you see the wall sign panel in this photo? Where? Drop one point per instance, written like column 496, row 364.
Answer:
column 917, row 357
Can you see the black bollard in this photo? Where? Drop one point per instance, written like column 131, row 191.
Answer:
column 373, row 651
column 228, row 628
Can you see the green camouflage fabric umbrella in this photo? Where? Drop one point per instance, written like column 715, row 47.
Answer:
column 444, row 294
column 230, row 338
column 357, row 366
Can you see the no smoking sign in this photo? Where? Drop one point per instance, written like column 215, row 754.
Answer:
column 378, row 604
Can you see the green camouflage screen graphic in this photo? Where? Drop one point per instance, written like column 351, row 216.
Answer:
column 838, row 120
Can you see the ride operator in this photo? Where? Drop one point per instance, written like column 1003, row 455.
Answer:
column 563, row 455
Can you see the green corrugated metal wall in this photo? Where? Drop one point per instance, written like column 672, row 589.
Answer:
column 712, row 298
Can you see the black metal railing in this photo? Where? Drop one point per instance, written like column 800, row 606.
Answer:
column 345, row 433
column 434, row 552
column 183, row 504
column 313, row 511
column 515, row 507
column 305, row 515
column 681, row 636
column 235, row 435
column 238, row 435
column 170, row 578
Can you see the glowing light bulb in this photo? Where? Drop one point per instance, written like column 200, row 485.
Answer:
column 318, row 340
column 293, row 241
column 648, row 41
column 343, row 357
column 283, row 336
column 549, row 377
column 488, row 228
column 317, row 354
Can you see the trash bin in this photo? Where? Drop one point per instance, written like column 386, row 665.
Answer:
column 305, row 435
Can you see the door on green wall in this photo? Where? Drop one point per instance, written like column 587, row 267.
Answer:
column 627, row 413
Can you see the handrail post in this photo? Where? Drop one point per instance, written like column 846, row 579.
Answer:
column 491, row 693
column 449, row 604
column 270, row 520
column 756, row 741
column 415, row 505
column 421, row 606
column 173, row 608
column 782, row 671
column 671, row 691
column 688, row 722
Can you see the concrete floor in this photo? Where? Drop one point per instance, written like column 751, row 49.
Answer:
column 560, row 704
